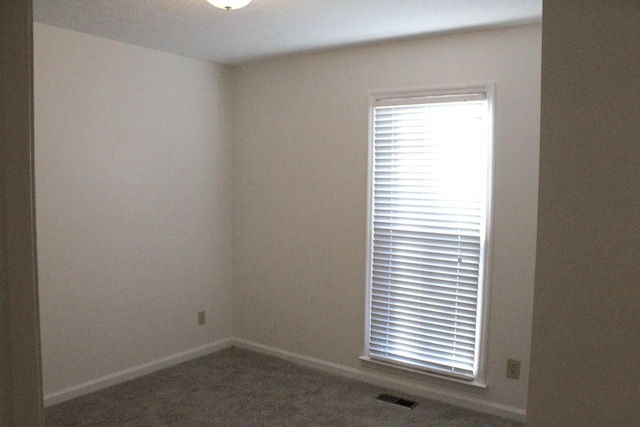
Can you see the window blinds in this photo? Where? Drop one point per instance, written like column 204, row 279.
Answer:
column 429, row 191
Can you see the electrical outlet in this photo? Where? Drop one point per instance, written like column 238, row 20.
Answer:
column 201, row 318
column 513, row 369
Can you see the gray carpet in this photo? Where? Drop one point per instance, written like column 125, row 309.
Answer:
column 236, row 387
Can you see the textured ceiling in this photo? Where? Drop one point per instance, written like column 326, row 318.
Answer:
column 274, row 28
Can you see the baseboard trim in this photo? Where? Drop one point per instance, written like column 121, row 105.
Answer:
column 134, row 372
column 381, row 380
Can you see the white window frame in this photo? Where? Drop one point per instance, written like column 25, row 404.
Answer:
column 477, row 378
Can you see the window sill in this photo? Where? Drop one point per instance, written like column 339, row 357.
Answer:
column 406, row 371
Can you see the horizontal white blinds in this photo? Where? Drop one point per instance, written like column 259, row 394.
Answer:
column 430, row 160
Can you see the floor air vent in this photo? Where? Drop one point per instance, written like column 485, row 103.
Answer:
column 405, row 403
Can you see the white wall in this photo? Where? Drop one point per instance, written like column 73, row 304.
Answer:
column 300, row 196
column 133, row 189
column 134, row 202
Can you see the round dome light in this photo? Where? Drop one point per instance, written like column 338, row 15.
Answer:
column 229, row 4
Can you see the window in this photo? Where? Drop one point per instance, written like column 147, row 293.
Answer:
column 430, row 181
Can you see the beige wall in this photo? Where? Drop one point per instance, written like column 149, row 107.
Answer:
column 586, row 328
column 133, row 186
column 300, row 196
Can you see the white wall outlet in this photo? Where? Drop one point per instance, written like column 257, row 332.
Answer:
column 513, row 369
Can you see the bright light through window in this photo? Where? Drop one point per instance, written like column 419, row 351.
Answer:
column 430, row 181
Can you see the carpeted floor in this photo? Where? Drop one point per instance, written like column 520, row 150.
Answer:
column 236, row 387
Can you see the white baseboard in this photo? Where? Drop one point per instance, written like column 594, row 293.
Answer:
column 376, row 378
column 135, row 372
column 388, row 382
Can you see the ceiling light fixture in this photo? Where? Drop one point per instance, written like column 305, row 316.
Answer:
column 229, row 4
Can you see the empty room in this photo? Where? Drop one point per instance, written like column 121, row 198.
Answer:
column 209, row 181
